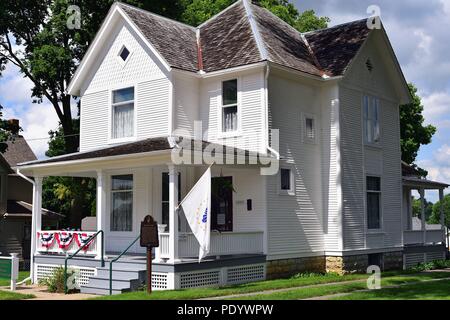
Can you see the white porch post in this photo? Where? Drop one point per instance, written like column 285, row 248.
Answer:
column 173, row 216
column 36, row 221
column 441, row 208
column 100, row 212
column 422, row 213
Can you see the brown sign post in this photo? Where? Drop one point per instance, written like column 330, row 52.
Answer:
column 150, row 240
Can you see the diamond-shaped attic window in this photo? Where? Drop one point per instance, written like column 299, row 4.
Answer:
column 124, row 53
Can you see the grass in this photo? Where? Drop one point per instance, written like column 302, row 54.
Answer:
column 304, row 293
column 303, row 280
column 436, row 290
column 22, row 275
column 9, row 295
column 300, row 281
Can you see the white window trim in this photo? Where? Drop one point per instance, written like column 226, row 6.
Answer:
column 291, row 191
column 111, row 140
column 238, row 132
column 126, row 234
column 305, row 138
column 122, row 62
column 367, row 143
column 380, row 229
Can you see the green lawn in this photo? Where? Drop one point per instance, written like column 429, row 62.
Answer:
column 304, row 280
column 9, row 295
column 304, row 293
column 22, row 275
column 435, row 290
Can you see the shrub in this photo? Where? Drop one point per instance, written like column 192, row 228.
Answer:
column 432, row 265
column 55, row 282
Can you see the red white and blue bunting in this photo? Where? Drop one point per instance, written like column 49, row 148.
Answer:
column 83, row 239
column 46, row 239
column 64, row 239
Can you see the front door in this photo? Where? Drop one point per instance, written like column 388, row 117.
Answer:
column 222, row 204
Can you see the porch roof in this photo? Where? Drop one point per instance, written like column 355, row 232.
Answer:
column 22, row 209
column 138, row 149
column 416, row 182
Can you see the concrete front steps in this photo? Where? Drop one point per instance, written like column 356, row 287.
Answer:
column 126, row 277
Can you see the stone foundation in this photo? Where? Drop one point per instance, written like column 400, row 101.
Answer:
column 347, row 264
column 289, row 267
column 337, row 264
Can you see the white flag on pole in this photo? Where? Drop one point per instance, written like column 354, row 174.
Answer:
column 197, row 209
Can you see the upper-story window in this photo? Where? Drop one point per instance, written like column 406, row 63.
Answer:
column 371, row 120
column 309, row 128
column 123, row 113
column 230, row 106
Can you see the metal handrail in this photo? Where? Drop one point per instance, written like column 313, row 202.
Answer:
column 117, row 258
column 79, row 249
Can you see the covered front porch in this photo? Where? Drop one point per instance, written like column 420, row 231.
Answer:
column 129, row 187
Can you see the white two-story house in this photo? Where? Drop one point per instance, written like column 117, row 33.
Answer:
column 323, row 106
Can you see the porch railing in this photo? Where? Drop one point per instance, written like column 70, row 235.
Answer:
column 417, row 236
column 53, row 242
column 225, row 243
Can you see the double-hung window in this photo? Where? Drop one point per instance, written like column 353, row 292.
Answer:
column 309, row 128
column 371, row 110
column 373, row 202
column 123, row 113
column 121, row 202
column 230, row 121
column 286, row 181
column 165, row 197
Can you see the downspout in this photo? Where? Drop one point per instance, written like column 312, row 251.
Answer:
column 33, row 234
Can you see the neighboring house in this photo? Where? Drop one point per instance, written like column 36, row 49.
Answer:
column 334, row 95
column 16, row 197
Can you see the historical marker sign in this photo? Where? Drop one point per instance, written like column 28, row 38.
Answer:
column 150, row 240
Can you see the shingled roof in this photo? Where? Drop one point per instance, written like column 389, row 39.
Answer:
column 246, row 33
column 18, row 151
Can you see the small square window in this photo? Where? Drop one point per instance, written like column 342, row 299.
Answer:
column 285, row 179
column 124, row 53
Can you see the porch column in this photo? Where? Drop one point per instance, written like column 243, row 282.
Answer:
column 100, row 212
column 36, row 221
column 441, row 208
column 173, row 215
column 422, row 213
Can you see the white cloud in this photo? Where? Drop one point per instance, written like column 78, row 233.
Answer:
column 436, row 106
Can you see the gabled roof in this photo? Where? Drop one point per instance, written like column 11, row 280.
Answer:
column 18, row 151
column 242, row 34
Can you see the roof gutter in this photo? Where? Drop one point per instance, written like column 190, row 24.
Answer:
column 20, row 174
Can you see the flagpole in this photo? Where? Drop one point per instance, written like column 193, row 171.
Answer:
column 178, row 207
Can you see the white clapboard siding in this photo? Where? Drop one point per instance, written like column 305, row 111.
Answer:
column 353, row 212
column 251, row 111
column 295, row 222
column 391, row 178
column 111, row 71
column 94, row 120
column 153, row 108
column 186, row 104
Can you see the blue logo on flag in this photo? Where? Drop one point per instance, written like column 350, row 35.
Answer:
column 205, row 216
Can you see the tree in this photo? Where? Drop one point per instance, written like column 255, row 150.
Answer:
column 412, row 130
column 34, row 37
column 198, row 11
column 8, row 131
column 417, row 211
column 435, row 217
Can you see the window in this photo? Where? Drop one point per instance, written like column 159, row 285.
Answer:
column 229, row 106
column 309, row 128
column 121, row 202
column 123, row 113
column 286, row 181
column 124, row 53
column 373, row 202
column 371, row 120
column 165, row 197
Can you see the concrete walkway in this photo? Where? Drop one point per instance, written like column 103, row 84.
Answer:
column 41, row 293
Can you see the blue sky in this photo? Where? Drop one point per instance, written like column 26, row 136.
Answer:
column 417, row 29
